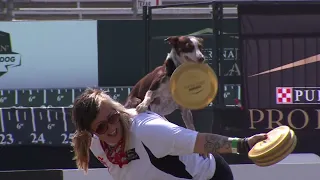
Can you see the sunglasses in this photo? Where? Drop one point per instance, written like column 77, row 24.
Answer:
column 104, row 126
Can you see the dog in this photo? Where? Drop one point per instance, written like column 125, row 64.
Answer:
column 153, row 90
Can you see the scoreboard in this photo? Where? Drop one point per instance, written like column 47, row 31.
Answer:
column 43, row 117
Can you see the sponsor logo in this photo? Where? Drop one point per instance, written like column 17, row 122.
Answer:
column 8, row 58
column 298, row 95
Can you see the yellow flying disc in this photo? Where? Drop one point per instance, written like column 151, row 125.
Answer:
column 194, row 86
column 281, row 154
column 280, row 143
column 276, row 139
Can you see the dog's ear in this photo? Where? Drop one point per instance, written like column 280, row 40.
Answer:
column 200, row 40
column 172, row 40
column 170, row 66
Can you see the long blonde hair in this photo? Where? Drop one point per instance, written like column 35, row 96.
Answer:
column 84, row 112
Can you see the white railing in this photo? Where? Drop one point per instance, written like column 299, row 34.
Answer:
column 165, row 1
column 45, row 8
column 116, row 11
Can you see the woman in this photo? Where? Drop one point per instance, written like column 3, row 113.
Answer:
column 146, row 146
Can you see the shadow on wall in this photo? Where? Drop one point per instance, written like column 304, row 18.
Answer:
column 39, row 157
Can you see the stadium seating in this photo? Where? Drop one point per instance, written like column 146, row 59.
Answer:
column 95, row 9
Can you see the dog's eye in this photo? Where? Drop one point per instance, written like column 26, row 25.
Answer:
column 188, row 47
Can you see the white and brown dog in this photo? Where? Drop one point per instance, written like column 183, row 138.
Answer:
column 153, row 92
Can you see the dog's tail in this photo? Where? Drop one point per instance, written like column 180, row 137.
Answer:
column 132, row 102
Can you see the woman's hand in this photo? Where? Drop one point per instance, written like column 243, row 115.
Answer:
column 256, row 138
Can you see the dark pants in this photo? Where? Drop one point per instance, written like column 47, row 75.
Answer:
column 223, row 170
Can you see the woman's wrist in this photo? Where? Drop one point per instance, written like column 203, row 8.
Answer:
column 243, row 146
column 239, row 145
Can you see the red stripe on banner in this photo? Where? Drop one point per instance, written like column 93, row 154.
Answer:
column 157, row 2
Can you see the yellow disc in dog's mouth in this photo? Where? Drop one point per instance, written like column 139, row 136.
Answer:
column 194, row 86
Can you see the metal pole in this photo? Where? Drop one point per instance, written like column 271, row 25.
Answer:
column 149, row 39
column 1, row 10
column 135, row 8
column 9, row 12
column 220, row 55
column 79, row 6
column 217, row 17
column 215, row 49
column 146, row 17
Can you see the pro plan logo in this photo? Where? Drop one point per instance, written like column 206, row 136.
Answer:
column 8, row 58
column 298, row 95
column 284, row 95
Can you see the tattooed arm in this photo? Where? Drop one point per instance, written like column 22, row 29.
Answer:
column 165, row 138
column 212, row 143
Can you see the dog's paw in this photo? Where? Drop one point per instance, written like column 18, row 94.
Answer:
column 141, row 108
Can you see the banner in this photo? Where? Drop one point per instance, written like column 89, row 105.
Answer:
column 280, row 55
column 48, row 54
column 279, row 47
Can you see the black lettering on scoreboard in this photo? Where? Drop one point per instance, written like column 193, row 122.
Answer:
column 29, row 125
column 41, row 116
column 52, row 97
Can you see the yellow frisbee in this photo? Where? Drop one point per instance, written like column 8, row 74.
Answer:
column 276, row 139
column 194, row 86
column 281, row 154
column 280, row 143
